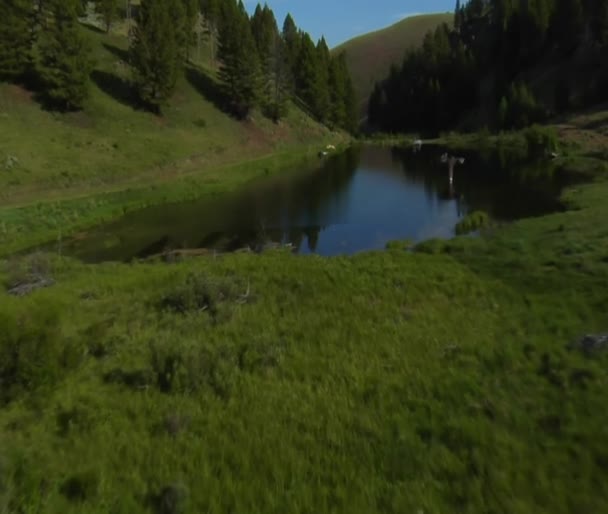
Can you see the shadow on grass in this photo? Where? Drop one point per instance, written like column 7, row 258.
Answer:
column 116, row 87
column 208, row 88
column 121, row 53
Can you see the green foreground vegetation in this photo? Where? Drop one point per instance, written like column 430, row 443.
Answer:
column 435, row 379
column 438, row 380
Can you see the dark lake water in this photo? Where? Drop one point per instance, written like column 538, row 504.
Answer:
column 352, row 201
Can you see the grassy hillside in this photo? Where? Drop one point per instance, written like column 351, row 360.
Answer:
column 111, row 144
column 370, row 56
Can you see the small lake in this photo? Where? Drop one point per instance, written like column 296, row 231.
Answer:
column 352, row 201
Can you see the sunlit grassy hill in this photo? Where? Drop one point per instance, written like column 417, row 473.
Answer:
column 112, row 143
column 370, row 56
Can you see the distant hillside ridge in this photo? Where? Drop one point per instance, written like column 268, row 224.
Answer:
column 370, row 56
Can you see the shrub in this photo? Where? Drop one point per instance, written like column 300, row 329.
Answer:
column 399, row 245
column 202, row 293
column 540, row 140
column 81, row 486
column 472, row 222
column 431, row 246
column 31, row 350
column 171, row 499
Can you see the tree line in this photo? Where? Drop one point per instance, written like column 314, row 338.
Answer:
column 259, row 66
column 478, row 71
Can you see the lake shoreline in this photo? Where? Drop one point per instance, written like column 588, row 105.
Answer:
column 68, row 216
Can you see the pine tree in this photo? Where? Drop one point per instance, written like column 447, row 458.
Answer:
column 308, row 83
column 210, row 10
column 293, row 41
column 337, row 91
column 351, row 105
column 503, row 113
column 323, row 62
column 599, row 21
column 457, row 15
column 277, row 80
column 65, row 63
column 568, row 24
column 273, row 60
column 15, row 38
column 239, row 69
column 108, row 10
column 184, row 14
column 155, row 54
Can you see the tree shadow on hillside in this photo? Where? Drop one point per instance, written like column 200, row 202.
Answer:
column 120, row 53
column 208, row 87
column 116, row 87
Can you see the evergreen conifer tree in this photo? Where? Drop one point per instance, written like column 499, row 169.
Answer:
column 293, row 40
column 351, row 105
column 210, row 9
column 65, row 63
column 239, row 68
column 273, row 61
column 337, row 90
column 155, row 54
column 308, row 83
column 108, row 10
column 184, row 15
column 15, row 38
column 323, row 62
column 568, row 24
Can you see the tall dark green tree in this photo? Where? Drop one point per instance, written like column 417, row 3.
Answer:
column 293, row 43
column 15, row 38
column 274, row 63
column 309, row 81
column 239, row 63
column 322, row 101
column 568, row 25
column 351, row 104
column 155, row 54
column 277, row 80
column 210, row 10
column 65, row 62
column 343, row 106
column 184, row 14
column 598, row 15
column 108, row 10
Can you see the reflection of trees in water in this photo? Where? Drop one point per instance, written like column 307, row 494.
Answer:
column 501, row 182
column 292, row 207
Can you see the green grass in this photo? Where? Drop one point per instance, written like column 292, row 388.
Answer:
column 434, row 379
column 370, row 56
column 111, row 144
column 65, row 172
column 47, row 220
column 383, row 382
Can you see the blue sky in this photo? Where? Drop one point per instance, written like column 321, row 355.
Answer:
column 339, row 20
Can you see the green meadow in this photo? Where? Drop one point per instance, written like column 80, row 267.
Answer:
column 435, row 380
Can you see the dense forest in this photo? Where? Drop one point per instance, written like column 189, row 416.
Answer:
column 503, row 64
column 43, row 46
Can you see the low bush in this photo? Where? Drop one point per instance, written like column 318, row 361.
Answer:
column 541, row 141
column 202, row 293
column 32, row 353
column 472, row 222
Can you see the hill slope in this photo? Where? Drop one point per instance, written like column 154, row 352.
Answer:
column 370, row 56
column 112, row 143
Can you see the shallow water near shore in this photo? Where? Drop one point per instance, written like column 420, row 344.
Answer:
column 352, row 201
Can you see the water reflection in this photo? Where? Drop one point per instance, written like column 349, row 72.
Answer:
column 354, row 201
